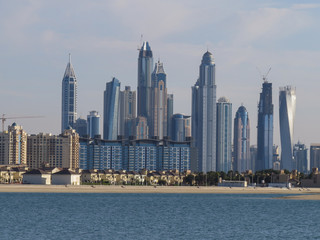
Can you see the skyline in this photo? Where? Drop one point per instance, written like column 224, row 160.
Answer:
column 281, row 35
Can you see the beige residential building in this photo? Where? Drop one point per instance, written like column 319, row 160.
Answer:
column 54, row 151
column 13, row 146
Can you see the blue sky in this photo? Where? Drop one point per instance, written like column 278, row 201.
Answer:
column 103, row 37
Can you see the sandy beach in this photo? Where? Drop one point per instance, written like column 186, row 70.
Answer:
column 294, row 193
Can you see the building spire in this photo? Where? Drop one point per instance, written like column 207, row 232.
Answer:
column 69, row 70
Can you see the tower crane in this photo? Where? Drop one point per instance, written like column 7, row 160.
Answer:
column 4, row 118
column 264, row 77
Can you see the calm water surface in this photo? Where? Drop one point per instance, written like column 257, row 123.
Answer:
column 156, row 216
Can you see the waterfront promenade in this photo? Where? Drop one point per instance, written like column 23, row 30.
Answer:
column 302, row 193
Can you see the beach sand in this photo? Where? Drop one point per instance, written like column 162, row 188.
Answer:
column 295, row 193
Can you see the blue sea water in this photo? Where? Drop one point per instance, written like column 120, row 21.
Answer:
column 156, row 216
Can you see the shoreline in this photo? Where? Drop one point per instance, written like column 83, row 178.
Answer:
column 294, row 193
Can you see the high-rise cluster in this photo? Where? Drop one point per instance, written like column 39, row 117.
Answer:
column 141, row 130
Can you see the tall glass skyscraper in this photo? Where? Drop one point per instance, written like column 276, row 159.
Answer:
column 300, row 155
column 287, row 110
column 111, row 110
column 158, row 126
column 145, row 63
column 224, row 132
column 169, row 112
column 127, row 112
column 93, row 122
column 69, row 98
column 265, row 128
column 241, row 141
column 204, row 110
column 180, row 127
column 314, row 155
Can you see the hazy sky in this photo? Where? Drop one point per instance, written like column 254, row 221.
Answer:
column 103, row 37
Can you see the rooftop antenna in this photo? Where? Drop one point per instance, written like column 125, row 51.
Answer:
column 69, row 57
column 141, row 39
column 264, row 77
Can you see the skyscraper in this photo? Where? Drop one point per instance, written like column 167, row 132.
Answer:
column 265, row 128
column 111, row 110
column 314, row 155
column 180, row 127
column 127, row 112
column 158, row 127
column 93, row 122
column 300, row 155
column 287, row 110
column 169, row 112
column 224, row 132
column 141, row 128
column 241, row 141
column 81, row 127
column 204, row 115
column 69, row 98
column 145, row 63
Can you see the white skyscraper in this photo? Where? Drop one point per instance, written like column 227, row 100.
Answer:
column 287, row 111
column 204, row 115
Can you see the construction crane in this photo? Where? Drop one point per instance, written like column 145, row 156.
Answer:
column 264, row 77
column 4, row 118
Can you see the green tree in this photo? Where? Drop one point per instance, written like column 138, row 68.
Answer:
column 190, row 179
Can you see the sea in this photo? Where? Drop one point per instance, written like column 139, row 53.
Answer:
column 156, row 216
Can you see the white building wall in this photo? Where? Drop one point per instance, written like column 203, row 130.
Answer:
column 44, row 179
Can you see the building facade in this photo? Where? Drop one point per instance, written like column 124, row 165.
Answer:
column 101, row 154
column 287, row 110
column 111, row 110
column 145, row 64
column 135, row 155
column 169, row 112
column 265, row 128
column 69, row 98
column 158, row 127
column 93, row 124
column 60, row 151
column 314, row 155
column 224, row 133
column 141, row 129
column 300, row 156
column 13, row 146
column 180, row 127
column 81, row 127
column 127, row 112
column 204, row 115
column 241, row 141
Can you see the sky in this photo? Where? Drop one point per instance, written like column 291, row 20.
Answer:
column 103, row 37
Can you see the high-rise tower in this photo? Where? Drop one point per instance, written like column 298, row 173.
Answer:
column 69, row 98
column 111, row 110
column 224, row 132
column 241, row 141
column 158, row 126
column 265, row 128
column 287, row 110
column 145, row 63
column 204, row 115
column 169, row 112
column 300, row 155
column 127, row 112
column 93, row 122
